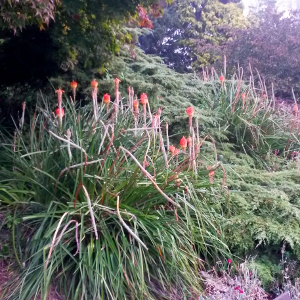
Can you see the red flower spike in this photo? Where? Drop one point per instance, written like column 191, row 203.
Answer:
column 229, row 261
column 135, row 104
column 172, row 149
column 189, row 141
column 183, row 143
column 237, row 288
column 241, row 291
column 144, row 99
column 73, row 84
column 190, row 111
column 62, row 112
column 106, row 98
column 94, row 84
column 222, row 79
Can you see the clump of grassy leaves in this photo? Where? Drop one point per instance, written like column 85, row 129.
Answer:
column 107, row 213
column 258, row 142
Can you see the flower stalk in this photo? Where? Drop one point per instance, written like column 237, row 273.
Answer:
column 23, row 115
column 73, row 85
column 94, row 85
column 59, row 93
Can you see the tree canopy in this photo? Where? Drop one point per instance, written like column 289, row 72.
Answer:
column 189, row 29
column 271, row 48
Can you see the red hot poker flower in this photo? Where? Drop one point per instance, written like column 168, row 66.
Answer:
column 172, row 149
column 94, row 84
column 222, row 79
column 229, row 260
column 106, row 98
column 62, row 112
column 144, row 99
column 183, row 143
column 73, row 84
column 135, row 105
column 190, row 113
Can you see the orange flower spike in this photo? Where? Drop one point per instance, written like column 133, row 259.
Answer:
column 62, row 112
column 106, row 98
column 222, row 79
column 189, row 141
column 176, row 152
column 94, row 84
column 135, row 105
column 183, row 143
column 144, row 101
column 172, row 149
column 73, row 85
column 190, row 113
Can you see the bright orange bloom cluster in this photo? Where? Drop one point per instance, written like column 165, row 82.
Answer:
column 183, row 143
column 172, row 149
column 106, row 98
column 190, row 111
column 144, row 99
column 73, row 84
column 94, row 84
column 62, row 112
column 135, row 104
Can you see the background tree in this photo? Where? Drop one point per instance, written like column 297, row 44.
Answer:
column 16, row 14
column 189, row 29
column 77, row 44
column 271, row 47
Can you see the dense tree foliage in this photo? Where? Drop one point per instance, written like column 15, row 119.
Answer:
column 189, row 29
column 272, row 48
column 77, row 44
column 16, row 14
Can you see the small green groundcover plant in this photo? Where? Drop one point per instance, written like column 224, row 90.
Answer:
column 104, row 207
